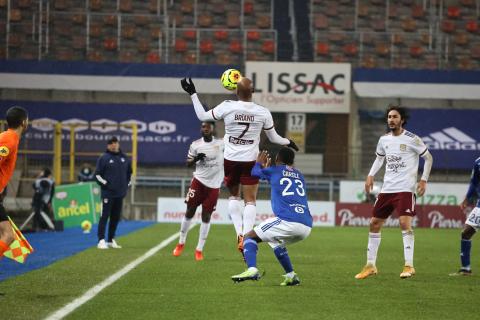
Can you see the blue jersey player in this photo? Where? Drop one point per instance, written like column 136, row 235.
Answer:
column 292, row 221
column 472, row 224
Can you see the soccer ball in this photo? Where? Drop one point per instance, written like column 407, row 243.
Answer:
column 230, row 78
column 86, row 226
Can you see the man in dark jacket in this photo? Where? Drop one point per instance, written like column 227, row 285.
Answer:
column 44, row 187
column 113, row 173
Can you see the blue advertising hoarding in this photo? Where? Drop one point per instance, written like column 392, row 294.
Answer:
column 164, row 131
column 452, row 136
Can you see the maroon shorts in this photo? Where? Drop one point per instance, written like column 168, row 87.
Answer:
column 402, row 202
column 199, row 194
column 239, row 172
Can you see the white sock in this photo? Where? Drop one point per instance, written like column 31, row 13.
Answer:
column 249, row 215
column 373, row 244
column 252, row 269
column 202, row 236
column 184, row 229
column 291, row 274
column 408, row 246
column 235, row 212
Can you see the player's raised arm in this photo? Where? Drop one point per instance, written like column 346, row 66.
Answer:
column 274, row 137
column 189, row 88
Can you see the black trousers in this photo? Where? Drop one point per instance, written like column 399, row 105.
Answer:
column 38, row 222
column 111, row 212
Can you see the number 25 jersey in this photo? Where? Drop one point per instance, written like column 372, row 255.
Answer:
column 244, row 122
column 288, row 192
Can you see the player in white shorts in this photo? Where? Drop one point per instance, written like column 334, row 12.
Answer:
column 244, row 122
column 402, row 150
column 207, row 156
column 292, row 221
column 472, row 224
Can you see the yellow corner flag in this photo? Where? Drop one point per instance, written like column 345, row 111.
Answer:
column 20, row 248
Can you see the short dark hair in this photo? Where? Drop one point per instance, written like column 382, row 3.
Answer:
column 212, row 123
column 15, row 116
column 46, row 172
column 286, row 155
column 112, row 140
column 401, row 110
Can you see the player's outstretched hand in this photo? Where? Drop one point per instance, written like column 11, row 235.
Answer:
column 264, row 158
column 199, row 157
column 421, row 187
column 369, row 184
column 292, row 145
column 189, row 87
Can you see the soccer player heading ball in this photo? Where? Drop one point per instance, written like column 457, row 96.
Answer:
column 244, row 122
column 402, row 150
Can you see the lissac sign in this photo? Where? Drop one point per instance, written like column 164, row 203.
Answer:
column 301, row 87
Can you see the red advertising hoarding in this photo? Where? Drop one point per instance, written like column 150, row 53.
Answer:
column 428, row 216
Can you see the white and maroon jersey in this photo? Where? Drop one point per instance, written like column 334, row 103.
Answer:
column 244, row 122
column 208, row 171
column 401, row 153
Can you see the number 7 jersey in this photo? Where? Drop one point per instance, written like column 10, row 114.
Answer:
column 288, row 192
column 244, row 122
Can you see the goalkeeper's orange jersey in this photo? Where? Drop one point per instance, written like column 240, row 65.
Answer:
column 9, row 141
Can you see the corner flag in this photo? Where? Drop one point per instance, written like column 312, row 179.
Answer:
column 20, row 248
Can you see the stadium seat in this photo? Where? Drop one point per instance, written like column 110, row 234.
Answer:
column 64, row 54
column 15, row 15
column 223, row 58
column 60, row 5
column 418, row 12
column 248, row 7
column 461, row 39
column 79, row 18
column 143, row 45
column 110, row 20
column 378, row 24
column 205, row 20
column 464, row 63
column 186, row 7
column 399, row 63
column 221, row 35
column 3, row 53
column 155, row 32
column 127, row 56
column 268, row 46
column 321, row 22
column 348, row 24
column 253, row 35
column 453, row 12
column 350, row 49
column 142, row 20
column 79, row 42
column 95, row 30
column 471, row 26
column 263, row 22
column 416, row 50
column 152, row 57
column 95, row 56
column 190, row 58
column 128, row 31
column 398, row 39
column 448, row 26
column 180, row 45
column 392, row 11
column 430, row 62
column 190, row 34
column 24, row 4
column 475, row 52
column 110, row 44
column 368, row 62
column 233, row 20
column 409, row 25
column 235, row 46
column 15, row 40
column 363, row 11
column 331, row 9
column 177, row 20
column 95, row 5
column 382, row 49
column 126, row 6
column 323, row 49
column 468, row 3
column 206, row 46
column 219, row 9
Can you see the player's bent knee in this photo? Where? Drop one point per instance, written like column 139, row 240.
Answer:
column 468, row 233
column 252, row 235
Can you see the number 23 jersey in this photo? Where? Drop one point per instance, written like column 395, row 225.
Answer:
column 244, row 122
column 288, row 192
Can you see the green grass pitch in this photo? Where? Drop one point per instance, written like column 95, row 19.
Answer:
column 165, row 287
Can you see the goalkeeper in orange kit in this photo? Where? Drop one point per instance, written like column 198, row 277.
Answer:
column 17, row 121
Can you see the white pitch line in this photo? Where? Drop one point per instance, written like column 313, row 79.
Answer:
column 92, row 292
